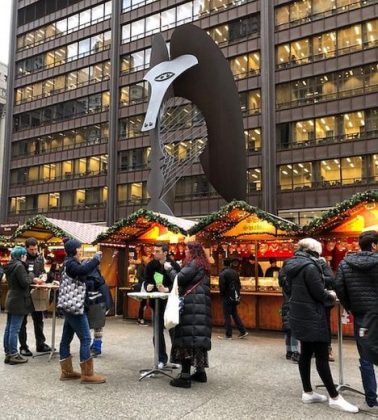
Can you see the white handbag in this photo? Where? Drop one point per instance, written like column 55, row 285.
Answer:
column 172, row 310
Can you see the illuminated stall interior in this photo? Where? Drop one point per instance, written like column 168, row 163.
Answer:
column 250, row 237
column 339, row 228
column 131, row 239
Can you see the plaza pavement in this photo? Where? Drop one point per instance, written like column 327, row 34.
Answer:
column 247, row 379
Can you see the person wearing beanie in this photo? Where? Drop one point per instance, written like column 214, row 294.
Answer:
column 18, row 303
column 35, row 266
column 77, row 324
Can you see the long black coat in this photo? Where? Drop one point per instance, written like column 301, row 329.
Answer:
column 194, row 330
column 307, row 313
column 18, row 300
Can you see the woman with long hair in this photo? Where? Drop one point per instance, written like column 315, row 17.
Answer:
column 192, row 337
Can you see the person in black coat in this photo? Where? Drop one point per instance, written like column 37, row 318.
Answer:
column 18, row 303
column 308, row 322
column 229, row 288
column 192, row 336
column 357, row 288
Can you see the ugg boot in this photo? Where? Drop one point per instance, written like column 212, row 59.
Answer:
column 96, row 347
column 67, row 370
column 87, row 374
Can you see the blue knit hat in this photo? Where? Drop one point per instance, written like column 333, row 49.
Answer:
column 17, row 252
column 71, row 246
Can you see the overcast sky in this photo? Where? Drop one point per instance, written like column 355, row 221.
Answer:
column 5, row 12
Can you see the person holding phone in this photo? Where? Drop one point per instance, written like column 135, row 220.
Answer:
column 157, row 280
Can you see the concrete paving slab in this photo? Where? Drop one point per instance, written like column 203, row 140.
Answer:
column 247, row 379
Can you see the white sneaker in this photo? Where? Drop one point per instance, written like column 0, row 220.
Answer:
column 339, row 403
column 313, row 397
column 162, row 365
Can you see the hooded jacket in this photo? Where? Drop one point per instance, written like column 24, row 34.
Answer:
column 357, row 282
column 18, row 300
column 307, row 314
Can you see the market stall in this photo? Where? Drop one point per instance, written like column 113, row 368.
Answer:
column 339, row 228
column 255, row 239
column 129, row 240
column 50, row 233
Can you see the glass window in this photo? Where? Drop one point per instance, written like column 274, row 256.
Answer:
column 72, row 51
column 300, row 51
column 59, row 83
column 84, row 47
column 254, row 101
column 351, row 82
column 51, row 31
column 71, row 80
column 302, row 175
column 283, row 55
column 349, row 39
column 300, row 10
column 351, row 170
column 97, row 12
column 94, row 103
column 375, row 168
column 304, row 131
column 283, row 94
column 321, row 6
column 254, row 62
column 168, row 19
column 353, row 124
column 137, row 29
column 60, row 55
column 107, row 39
column 50, row 59
column 48, row 87
column 96, row 43
column 85, row 18
column 324, row 86
column 73, row 23
column 39, row 35
column 325, row 128
column 254, row 180
column 330, row 172
column 253, row 139
column 96, row 72
column 124, row 96
column 61, row 26
column 372, row 33
column 83, row 76
column 285, row 177
column 108, row 9
column 138, row 92
column 282, row 15
column 105, row 100
column 29, row 39
column 236, row 65
column 324, row 45
column 153, row 23
column 184, row 13
column 220, row 34
column 106, row 69
column 126, row 33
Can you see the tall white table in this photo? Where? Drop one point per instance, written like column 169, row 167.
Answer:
column 157, row 296
column 54, row 288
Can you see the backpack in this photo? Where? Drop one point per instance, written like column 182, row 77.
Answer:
column 369, row 336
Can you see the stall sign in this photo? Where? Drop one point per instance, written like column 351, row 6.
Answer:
column 251, row 225
column 364, row 218
column 8, row 229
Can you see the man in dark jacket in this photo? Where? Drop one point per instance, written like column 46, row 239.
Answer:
column 156, row 271
column 36, row 270
column 229, row 288
column 357, row 289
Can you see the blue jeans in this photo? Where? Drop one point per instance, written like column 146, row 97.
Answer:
column 12, row 329
column 367, row 369
column 75, row 324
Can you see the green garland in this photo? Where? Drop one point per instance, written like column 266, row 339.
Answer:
column 277, row 222
column 39, row 219
column 130, row 221
column 370, row 196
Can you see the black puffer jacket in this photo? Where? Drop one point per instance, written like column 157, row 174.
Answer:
column 194, row 330
column 357, row 282
column 18, row 300
column 307, row 314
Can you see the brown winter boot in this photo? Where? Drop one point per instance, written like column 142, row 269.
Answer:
column 67, row 370
column 87, row 374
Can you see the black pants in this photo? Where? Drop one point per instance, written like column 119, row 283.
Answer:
column 38, row 330
column 163, row 357
column 231, row 310
column 328, row 316
column 142, row 307
column 322, row 366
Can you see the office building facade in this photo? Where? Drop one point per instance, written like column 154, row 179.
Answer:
column 307, row 75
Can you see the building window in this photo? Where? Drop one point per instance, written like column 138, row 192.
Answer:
column 253, row 139
column 253, row 180
column 351, row 170
column 296, row 176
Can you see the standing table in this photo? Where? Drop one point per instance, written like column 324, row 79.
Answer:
column 157, row 296
column 54, row 288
